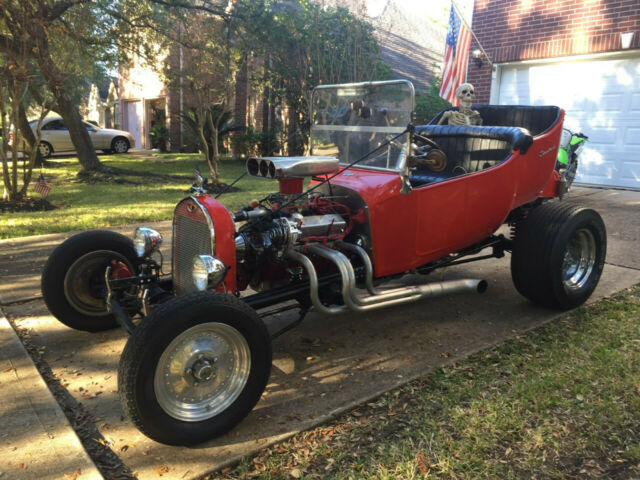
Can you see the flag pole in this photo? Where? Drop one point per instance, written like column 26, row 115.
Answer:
column 453, row 3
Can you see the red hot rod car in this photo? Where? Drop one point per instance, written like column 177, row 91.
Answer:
column 384, row 198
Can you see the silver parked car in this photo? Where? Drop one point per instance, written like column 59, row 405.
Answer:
column 56, row 138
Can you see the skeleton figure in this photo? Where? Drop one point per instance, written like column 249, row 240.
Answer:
column 465, row 116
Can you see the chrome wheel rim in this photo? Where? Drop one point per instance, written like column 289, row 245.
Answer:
column 45, row 150
column 579, row 259
column 84, row 281
column 202, row 372
column 120, row 146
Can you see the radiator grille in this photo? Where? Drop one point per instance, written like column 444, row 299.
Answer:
column 191, row 236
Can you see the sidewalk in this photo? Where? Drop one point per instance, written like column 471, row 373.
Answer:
column 37, row 441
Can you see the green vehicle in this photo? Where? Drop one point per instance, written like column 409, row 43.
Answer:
column 571, row 145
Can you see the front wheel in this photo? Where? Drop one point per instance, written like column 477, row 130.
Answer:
column 194, row 368
column 73, row 278
column 120, row 145
column 558, row 254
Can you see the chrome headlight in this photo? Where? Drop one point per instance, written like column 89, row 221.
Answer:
column 146, row 241
column 208, row 272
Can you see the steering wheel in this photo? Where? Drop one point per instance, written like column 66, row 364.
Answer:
column 431, row 155
column 426, row 140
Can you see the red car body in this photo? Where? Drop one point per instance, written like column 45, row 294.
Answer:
column 384, row 199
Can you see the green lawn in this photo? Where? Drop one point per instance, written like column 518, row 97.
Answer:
column 560, row 402
column 82, row 206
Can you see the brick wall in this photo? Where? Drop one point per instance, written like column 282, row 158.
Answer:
column 512, row 30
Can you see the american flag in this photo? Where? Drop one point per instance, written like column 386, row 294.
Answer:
column 41, row 186
column 197, row 171
column 456, row 56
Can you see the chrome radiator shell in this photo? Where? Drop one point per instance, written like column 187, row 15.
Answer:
column 193, row 234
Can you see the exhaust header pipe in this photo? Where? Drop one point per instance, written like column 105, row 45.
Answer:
column 353, row 300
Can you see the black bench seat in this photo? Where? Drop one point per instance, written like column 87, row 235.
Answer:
column 536, row 119
column 469, row 149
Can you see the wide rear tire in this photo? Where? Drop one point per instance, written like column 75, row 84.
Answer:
column 558, row 254
column 194, row 368
column 73, row 278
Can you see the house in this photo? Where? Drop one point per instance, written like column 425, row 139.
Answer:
column 103, row 105
column 582, row 55
column 411, row 35
column 145, row 99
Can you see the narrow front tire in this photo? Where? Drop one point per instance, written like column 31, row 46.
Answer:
column 73, row 278
column 194, row 368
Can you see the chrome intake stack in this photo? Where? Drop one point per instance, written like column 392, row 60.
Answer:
column 291, row 171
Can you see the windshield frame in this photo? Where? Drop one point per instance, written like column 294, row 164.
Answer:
column 400, row 167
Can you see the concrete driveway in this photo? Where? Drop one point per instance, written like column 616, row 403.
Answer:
column 324, row 367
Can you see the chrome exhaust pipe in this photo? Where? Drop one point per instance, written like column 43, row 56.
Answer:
column 307, row 264
column 349, row 295
column 453, row 286
column 368, row 266
column 396, row 296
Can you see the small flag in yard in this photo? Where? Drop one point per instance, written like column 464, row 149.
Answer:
column 41, row 186
column 456, row 57
column 197, row 171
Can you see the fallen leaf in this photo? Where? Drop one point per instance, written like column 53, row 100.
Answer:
column 421, row 462
column 162, row 469
column 295, row 473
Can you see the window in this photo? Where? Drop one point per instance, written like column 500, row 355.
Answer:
column 55, row 125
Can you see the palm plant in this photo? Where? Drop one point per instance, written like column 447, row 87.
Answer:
column 210, row 125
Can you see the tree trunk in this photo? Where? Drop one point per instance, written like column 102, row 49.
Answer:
column 205, row 148
column 78, row 132
column 66, row 107
column 214, row 154
column 296, row 144
column 28, row 135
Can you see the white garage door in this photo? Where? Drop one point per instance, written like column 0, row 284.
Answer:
column 601, row 98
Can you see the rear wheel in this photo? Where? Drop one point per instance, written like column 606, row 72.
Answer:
column 194, row 368
column 73, row 278
column 558, row 254
column 45, row 149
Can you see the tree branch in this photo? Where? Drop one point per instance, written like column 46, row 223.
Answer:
column 60, row 9
column 181, row 4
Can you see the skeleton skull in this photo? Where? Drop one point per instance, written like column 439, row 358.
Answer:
column 465, row 94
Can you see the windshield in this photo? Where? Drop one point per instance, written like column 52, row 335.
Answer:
column 352, row 121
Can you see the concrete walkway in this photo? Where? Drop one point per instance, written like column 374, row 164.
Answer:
column 37, row 441
column 324, row 367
